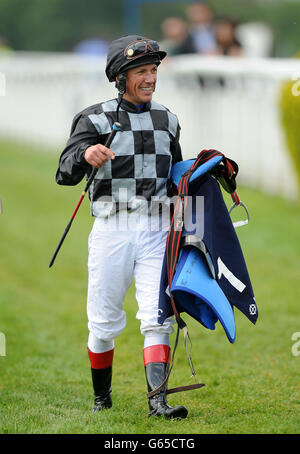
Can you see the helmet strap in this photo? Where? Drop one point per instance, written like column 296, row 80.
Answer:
column 121, row 83
column 121, row 86
column 120, row 97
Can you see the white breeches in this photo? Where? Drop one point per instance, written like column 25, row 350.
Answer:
column 115, row 258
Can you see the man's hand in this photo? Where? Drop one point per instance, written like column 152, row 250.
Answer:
column 98, row 155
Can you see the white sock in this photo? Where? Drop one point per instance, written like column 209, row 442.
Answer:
column 156, row 339
column 96, row 345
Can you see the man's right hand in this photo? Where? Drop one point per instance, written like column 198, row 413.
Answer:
column 98, row 155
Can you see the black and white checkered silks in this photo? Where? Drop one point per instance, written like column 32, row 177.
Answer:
column 145, row 151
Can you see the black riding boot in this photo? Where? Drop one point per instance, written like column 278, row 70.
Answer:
column 158, row 405
column 102, row 388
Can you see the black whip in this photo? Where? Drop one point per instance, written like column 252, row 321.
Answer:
column 115, row 128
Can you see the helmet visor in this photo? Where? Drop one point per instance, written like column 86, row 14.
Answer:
column 139, row 48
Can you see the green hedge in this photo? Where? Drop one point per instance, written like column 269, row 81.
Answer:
column 290, row 118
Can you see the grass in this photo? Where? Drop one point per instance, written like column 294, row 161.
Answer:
column 252, row 386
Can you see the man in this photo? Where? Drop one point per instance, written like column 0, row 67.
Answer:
column 177, row 38
column 137, row 165
column 201, row 18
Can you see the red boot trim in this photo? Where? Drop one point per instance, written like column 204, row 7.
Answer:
column 156, row 354
column 101, row 360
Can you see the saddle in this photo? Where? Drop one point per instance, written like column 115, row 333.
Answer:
column 198, row 277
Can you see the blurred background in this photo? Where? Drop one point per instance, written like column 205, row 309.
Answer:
column 223, row 78
column 60, row 25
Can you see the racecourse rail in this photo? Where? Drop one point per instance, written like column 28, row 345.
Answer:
column 230, row 104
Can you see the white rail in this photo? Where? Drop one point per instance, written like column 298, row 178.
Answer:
column 230, row 104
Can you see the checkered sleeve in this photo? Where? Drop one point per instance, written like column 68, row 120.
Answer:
column 72, row 164
column 175, row 147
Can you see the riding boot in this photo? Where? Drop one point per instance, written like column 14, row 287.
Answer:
column 156, row 372
column 101, row 368
column 102, row 388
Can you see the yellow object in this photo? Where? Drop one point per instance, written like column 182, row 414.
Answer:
column 290, row 119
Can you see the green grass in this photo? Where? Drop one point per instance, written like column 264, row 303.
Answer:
column 252, row 386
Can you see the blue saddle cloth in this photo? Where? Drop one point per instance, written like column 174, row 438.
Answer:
column 208, row 297
column 199, row 294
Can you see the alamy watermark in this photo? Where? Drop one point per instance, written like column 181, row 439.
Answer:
column 296, row 346
column 2, row 84
column 2, row 344
column 138, row 213
column 296, row 85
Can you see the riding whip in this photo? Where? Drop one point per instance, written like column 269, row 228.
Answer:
column 115, row 128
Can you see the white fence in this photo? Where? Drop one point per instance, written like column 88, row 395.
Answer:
column 230, row 104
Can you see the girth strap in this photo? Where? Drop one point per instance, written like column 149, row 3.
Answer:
column 165, row 382
column 185, row 388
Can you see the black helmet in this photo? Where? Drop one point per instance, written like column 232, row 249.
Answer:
column 131, row 51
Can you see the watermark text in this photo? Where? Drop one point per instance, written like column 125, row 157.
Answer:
column 138, row 213
column 2, row 84
column 296, row 85
column 296, row 346
column 2, row 344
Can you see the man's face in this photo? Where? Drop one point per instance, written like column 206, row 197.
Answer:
column 140, row 84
